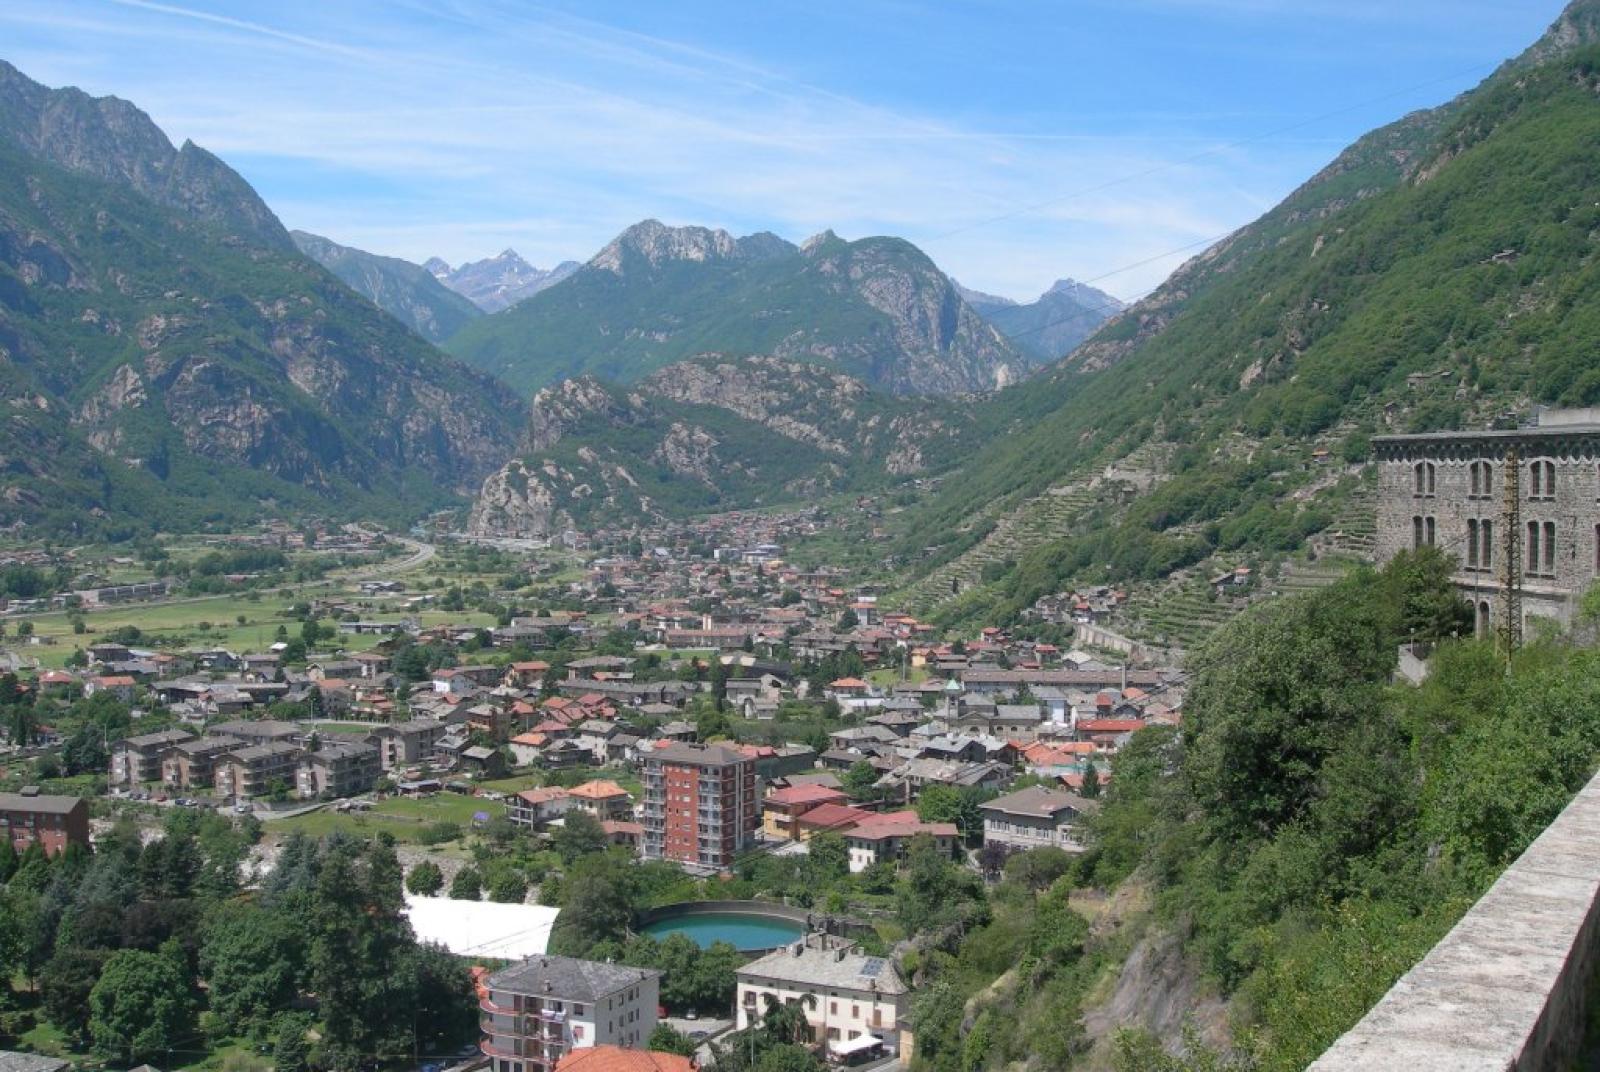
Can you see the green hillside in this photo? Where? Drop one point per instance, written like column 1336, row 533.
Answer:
column 1441, row 271
column 408, row 292
column 877, row 309
column 163, row 370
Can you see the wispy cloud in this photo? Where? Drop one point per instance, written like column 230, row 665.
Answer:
column 419, row 127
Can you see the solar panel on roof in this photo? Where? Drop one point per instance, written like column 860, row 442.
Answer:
column 872, row 967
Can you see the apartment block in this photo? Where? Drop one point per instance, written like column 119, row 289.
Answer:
column 338, row 770
column 700, row 807
column 536, row 1012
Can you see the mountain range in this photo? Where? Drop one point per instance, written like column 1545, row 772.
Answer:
column 406, row 291
column 168, row 357
column 876, row 309
column 497, row 283
column 1051, row 326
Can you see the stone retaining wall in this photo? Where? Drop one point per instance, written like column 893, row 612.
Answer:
column 1507, row 989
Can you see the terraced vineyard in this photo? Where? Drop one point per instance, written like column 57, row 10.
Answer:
column 1026, row 526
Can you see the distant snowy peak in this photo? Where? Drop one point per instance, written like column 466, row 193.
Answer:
column 498, row 282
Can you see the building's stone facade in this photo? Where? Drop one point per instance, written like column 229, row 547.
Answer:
column 1448, row 489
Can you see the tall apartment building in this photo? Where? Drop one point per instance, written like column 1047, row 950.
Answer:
column 536, row 1012
column 699, row 806
column 1448, row 490
column 192, row 764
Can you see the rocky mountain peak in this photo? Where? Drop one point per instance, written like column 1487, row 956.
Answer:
column 656, row 243
column 817, row 241
column 109, row 139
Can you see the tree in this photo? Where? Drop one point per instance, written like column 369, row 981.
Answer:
column 65, row 984
column 425, row 879
column 141, row 1007
column 848, row 620
column 666, row 1039
column 290, row 1051
column 596, row 910
column 506, row 884
column 579, row 835
column 829, row 856
column 860, row 782
column 1091, row 781
column 250, row 960
column 467, row 885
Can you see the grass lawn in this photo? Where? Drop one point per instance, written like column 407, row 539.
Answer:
column 404, row 817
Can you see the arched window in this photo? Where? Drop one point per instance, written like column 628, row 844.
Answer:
column 1542, row 480
column 1472, row 544
column 1530, row 554
column 1483, row 618
column 1481, row 480
column 1486, row 543
column 1419, row 479
column 1428, row 530
column 1416, row 533
column 1433, row 476
column 1550, row 548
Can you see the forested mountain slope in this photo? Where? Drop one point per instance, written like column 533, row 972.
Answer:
column 1441, row 270
column 173, row 360
column 876, row 309
column 408, row 292
column 712, row 433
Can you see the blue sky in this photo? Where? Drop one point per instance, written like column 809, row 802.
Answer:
column 1015, row 141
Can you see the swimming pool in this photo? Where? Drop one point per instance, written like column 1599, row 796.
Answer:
column 747, row 931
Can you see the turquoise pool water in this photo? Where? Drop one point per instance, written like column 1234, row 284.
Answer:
column 744, row 932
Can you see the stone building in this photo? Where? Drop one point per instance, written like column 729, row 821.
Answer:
column 1448, row 489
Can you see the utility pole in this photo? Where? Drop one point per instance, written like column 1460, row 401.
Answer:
column 1511, row 558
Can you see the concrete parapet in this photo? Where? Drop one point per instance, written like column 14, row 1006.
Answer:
column 1506, row 990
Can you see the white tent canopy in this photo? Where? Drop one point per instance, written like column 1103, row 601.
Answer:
column 482, row 928
column 859, row 1044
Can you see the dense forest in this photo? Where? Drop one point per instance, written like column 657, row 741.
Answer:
column 1310, row 832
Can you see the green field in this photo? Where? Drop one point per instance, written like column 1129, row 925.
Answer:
column 404, row 817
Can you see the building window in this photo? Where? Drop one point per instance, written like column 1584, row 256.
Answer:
column 1429, row 530
column 1481, row 480
column 1485, row 544
column 1416, row 533
column 1424, row 477
column 1531, row 561
column 1542, row 480
column 1483, row 618
column 1472, row 543
column 1550, row 548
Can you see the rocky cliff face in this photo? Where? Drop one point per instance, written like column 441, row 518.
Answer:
column 109, row 139
column 517, row 502
column 715, row 432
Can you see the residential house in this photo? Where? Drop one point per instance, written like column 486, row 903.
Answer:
column 1035, row 817
column 53, row 822
column 844, row 994
column 537, row 1012
column 782, row 808
column 538, row 807
column 605, row 800
column 885, row 839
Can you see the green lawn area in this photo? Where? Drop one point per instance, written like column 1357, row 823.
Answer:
column 404, row 817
